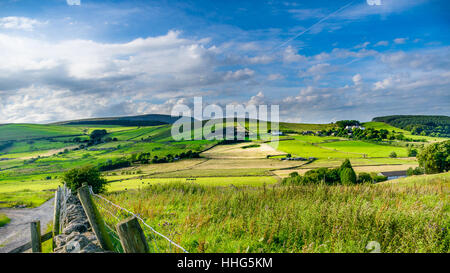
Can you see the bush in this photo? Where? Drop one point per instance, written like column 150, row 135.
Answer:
column 378, row 178
column 74, row 178
column 364, row 178
column 412, row 152
column 415, row 171
column 393, row 155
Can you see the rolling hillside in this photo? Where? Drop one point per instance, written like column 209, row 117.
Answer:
column 142, row 120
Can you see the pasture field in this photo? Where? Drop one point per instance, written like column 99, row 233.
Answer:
column 32, row 131
column 299, row 219
column 361, row 147
column 237, row 151
column 301, row 127
column 337, row 149
column 254, row 181
column 304, row 149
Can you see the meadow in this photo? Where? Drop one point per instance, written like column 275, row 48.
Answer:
column 37, row 155
column 403, row 216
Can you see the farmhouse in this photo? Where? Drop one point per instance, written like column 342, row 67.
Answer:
column 355, row 127
column 277, row 133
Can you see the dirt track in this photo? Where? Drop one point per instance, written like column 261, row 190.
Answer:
column 17, row 232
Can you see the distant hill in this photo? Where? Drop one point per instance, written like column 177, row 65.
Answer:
column 142, row 120
column 436, row 126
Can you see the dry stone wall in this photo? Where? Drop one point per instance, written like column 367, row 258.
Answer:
column 76, row 235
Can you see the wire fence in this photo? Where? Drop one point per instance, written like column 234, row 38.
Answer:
column 113, row 214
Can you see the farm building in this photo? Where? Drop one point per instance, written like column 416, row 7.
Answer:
column 393, row 174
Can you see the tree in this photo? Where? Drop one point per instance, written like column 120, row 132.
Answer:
column 346, row 173
column 96, row 136
column 74, row 178
column 348, row 176
column 435, row 158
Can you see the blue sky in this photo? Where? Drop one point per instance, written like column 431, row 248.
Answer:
column 321, row 61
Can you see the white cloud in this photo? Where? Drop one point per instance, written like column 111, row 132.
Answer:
column 290, row 56
column 125, row 74
column 21, row 23
column 363, row 45
column 73, row 2
column 382, row 43
column 400, row 41
column 357, row 79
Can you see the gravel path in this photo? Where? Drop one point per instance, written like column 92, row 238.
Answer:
column 17, row 232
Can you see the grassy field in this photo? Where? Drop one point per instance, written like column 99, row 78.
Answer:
column 31, row 131
column 361, row 147
column 300, row 127
column 205, row 181
column 314, row 218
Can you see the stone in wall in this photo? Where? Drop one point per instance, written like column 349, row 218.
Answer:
column 77, row 235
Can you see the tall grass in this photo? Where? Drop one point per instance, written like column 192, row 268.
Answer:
column 316, row 218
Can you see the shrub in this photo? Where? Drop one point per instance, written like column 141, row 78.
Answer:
column 415, row 171
column 364, row 178
column 412, row 152
column 74, row 178
column 378, row 178
column 393, row 155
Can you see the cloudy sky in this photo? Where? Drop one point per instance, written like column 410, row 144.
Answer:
column 320, row 61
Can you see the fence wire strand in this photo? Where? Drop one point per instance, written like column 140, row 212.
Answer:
column 113, row 214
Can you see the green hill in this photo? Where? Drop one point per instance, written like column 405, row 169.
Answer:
column 16, row 132
column 436, row 126
column 142, row 120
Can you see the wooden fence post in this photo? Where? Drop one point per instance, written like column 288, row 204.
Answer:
column 36, row 236
column 132, row 236
column 56, row 214
column 95, row 219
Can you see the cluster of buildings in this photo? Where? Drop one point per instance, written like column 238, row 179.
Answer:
column 355, row 127
column 299, row 158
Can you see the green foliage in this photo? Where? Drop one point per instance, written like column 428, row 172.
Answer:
column 346, row 164
column 393, row 155
column 378, row 178
column 414, row 171
column 343, row 175
column 348, row 176
column 364, row 178
column 344, row 123
column 4, row 219
column 96, row 136
column 412, row 152
column 435, row 158
column 112, row 164
column 74, row 178
column 437, row 126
